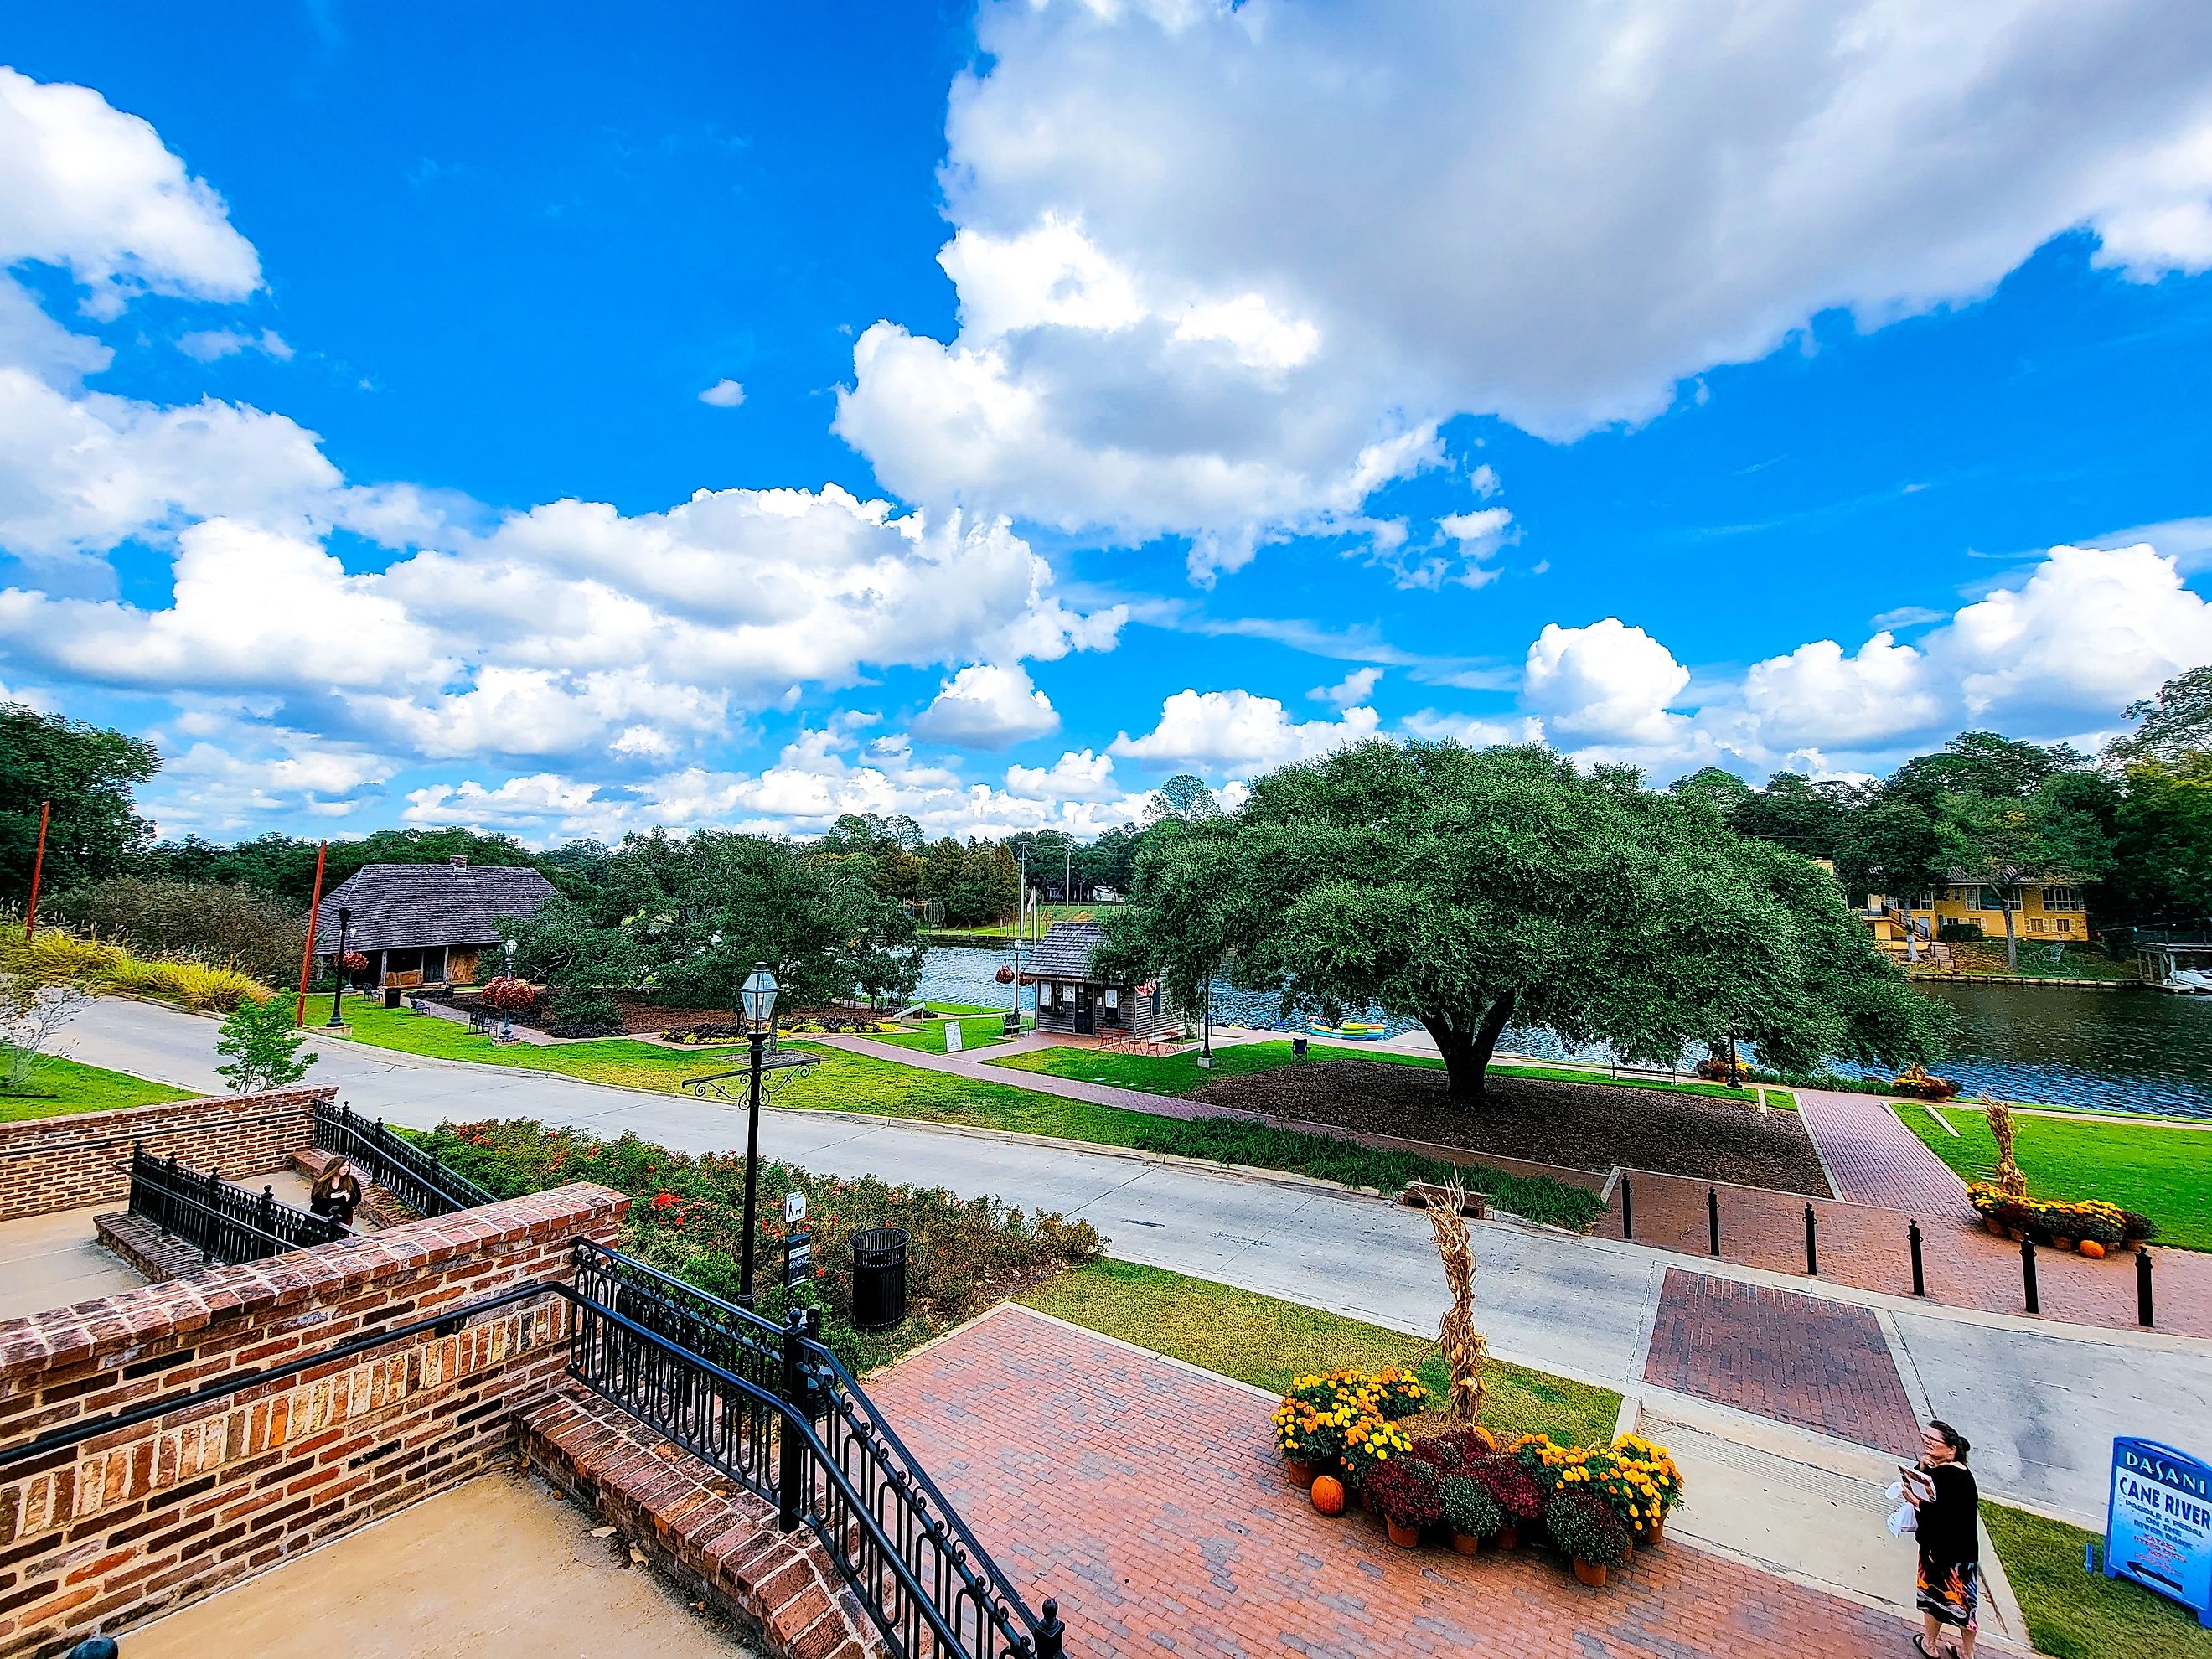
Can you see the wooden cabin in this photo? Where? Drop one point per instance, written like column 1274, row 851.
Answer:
column 1075, row 1000
column 423, row 925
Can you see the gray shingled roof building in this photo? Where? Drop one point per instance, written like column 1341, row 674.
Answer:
column 1075, row 998
column 427, row 924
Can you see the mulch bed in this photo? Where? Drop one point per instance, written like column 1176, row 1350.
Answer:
column 1587, row 1125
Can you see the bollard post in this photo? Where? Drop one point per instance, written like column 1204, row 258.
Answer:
column 1713, row 1218
column 2028, row 1272
column 1628, row 1208
column 1811, row 1246
column 2143, row 1287
column 1919, row 1273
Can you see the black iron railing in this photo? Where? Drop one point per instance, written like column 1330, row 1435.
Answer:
column 411, row 1174
column 775, row 1411
column 225, row 1223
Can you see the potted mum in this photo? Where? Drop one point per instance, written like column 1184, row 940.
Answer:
column 1310, row 1439
column 1588, row 1533
column 1471, row 1511
column 1654, row 1483
column 1368, row 1444
column 1409, row 1497
column 1519, row 1497
column 1397, row 1394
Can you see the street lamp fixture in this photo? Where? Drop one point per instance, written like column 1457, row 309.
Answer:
column 756, row 1003
column 337, row 966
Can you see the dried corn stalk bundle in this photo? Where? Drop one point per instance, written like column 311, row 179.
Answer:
column 2010, row 1181
column 1465, row 1349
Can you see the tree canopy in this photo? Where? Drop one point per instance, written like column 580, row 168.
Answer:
column 88, row 772
column 1467, row 890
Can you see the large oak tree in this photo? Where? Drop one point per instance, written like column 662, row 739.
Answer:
column 1470, row 890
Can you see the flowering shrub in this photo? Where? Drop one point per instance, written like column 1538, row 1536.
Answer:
column 1406, row 1490
column 1923, row 1085
column 1636, row 1478
column 1455, row 1451
column 1371, row 1442
column 1585, row 1529
column 1398, row 1394
column 2108, row 1224
column 510, row 996
column 1720, row 1070
column 355, row 961
column 687, row 1218
column 1651, row 1466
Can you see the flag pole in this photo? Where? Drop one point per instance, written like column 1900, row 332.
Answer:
column 307, row 956
column 38, row 869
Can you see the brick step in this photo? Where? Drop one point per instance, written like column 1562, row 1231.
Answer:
column 705, row 1531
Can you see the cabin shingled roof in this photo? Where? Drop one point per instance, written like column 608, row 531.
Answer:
column 396, row 907
column 1065, row 952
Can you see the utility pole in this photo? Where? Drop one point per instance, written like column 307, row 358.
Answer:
column 38, row 869
column 307, row 955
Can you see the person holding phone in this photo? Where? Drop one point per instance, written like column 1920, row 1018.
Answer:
column 1948, row 1506
column 335, row 1194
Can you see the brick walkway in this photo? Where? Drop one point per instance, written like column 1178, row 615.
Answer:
column 1798, row 1359
column 1866, row 1247
column 1150, row 1501
column 1874, row 1158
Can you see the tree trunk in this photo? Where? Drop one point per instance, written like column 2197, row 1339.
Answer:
column 1466, row 1053
column 2012, row 939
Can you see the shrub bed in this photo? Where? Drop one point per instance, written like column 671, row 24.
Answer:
column 2107, row 1226
column 54, row 954
column 687, row 1218
column 1239, row 1141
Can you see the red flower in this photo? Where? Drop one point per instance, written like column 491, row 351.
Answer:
column 665, row 1201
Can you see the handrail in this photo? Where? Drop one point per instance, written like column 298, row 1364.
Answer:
column 165, row 1192
column 427, row 1185
column 997, row 1604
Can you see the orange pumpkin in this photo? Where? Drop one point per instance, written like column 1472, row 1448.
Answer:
column 2090, row 1248
column 1328, row 1495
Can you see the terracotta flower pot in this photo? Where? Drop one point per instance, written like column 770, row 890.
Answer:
column 2061, row 1244
column 1404, row 1538
column 1632, row 1550
column 1509, row 1537
column 1992, row 1224
column 1367, row 1503
column 1655, row 1530
column 1465, row 1542
column 1590, row 1573
column 1302, row 1475
column 2016, row 1234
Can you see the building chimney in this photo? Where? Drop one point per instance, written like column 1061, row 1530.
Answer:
column 461, row 861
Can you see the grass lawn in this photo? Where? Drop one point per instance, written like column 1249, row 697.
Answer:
column 2073, row 1614
column 2163, row 1172
column 1046, row 915
column 70, row 1087
column 847, row 1082
column 976, row 1031
column 1258, row 1339
column 1181, row 1074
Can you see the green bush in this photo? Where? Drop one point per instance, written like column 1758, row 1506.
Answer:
column 217, row 924
column 1239, row 1141
column 1470, row 1509
column 54, row 954
column 687, row 1217
column 1585, row 1529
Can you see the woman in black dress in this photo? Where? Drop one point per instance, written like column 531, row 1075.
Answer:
column 1949, row 1530
column 335, row 1194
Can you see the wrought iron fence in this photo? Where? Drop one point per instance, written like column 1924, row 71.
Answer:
column 412, row 1175
column 224, row 1223
column 773, row 1409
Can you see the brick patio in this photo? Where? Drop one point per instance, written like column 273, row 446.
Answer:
column 1819, row 1365
column 1149, row 1500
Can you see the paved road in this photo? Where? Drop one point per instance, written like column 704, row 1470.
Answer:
column 2041, row 1405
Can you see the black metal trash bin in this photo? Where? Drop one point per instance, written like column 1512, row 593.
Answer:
column 878, row 1278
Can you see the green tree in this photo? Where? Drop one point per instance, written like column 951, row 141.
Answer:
column 1183, row 798
column 1981, row 763
column 2162, row 863
column 578, row 961
column 221, row 923
column 1467, row 890
column 2175, row 723
column 88, row 772
column 1891, row 846
column 2060, row 832
column 1794, row 811
column 261, row 1046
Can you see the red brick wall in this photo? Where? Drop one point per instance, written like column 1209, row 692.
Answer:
column 103, row 1533
column 65, row 1162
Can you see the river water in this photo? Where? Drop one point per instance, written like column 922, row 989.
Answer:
column 2128, row 1051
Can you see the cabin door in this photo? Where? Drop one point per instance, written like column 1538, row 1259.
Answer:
column 1085, row 1021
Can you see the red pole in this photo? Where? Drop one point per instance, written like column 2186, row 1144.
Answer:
column 38, row 869
column 307, row 956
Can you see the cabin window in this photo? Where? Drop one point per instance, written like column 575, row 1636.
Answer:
column 2065, row 924
column 1113, row 997
column 2035, row 924
column 1999, row 898
column 1051, row 993
column 2061, row 898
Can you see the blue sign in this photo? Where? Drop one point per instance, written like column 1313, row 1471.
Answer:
column 2158, row 1529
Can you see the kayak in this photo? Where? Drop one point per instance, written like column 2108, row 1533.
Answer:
column 1350, row 1031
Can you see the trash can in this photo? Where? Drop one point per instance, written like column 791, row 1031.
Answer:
column 392, row 996
column 878, row 1278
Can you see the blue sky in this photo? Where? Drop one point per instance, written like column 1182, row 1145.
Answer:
column 1124, row 390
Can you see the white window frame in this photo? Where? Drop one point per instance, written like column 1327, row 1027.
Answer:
column 2062, row 898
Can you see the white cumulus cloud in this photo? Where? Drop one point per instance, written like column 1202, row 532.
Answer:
column 986, row 707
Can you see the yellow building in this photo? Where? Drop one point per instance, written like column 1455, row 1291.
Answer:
column 2041, row 910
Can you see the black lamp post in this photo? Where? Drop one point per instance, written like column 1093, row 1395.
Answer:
column 338, row 976
column 757, row 1005
column 506, row 1025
